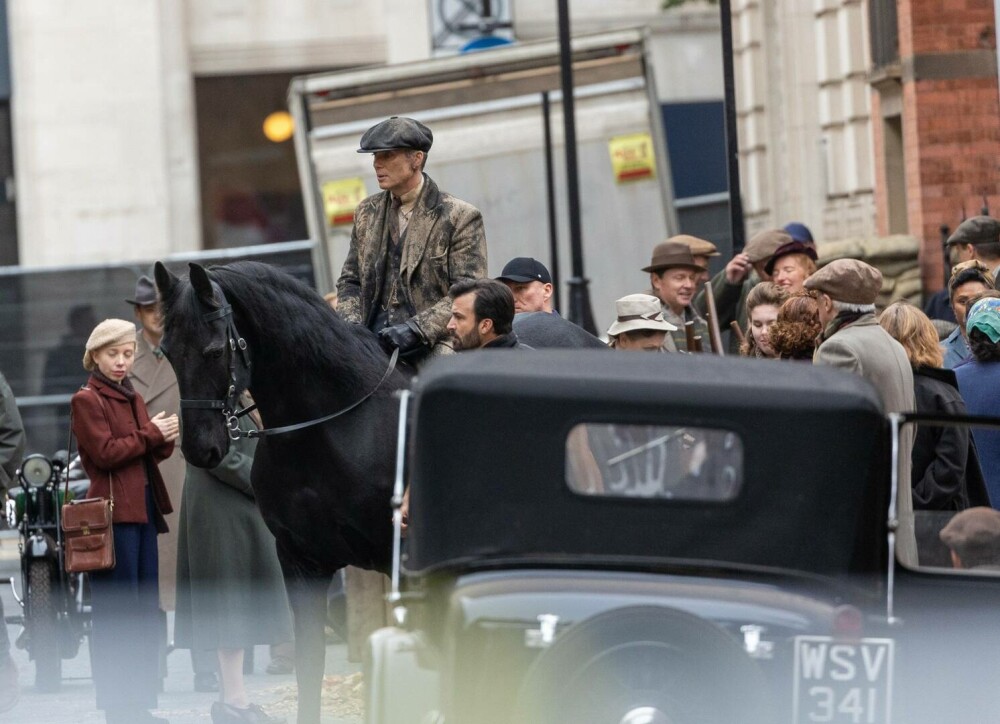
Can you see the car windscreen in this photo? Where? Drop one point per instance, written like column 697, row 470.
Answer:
column 654, row 461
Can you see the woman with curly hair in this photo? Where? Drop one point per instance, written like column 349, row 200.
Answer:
column 794, row 334
column 945, row 474
column 978, row 381
column 762, row 306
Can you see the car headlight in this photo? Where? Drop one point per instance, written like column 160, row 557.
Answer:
column 36, row 470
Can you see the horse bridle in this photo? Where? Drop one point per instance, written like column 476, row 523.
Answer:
column 229, row 405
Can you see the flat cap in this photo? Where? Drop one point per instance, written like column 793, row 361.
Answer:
column 847, row 280
column 974, row 534
column 763, row 244
column 397, row 132
column 977, row 230
column 698, row 247
column 669, row 254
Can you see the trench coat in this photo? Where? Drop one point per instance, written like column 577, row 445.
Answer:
column 445, row 243
column 155, row 380
column 119, row 447
column 230, row 591
column 864, row 348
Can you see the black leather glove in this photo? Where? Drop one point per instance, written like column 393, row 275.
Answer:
column 402, row 336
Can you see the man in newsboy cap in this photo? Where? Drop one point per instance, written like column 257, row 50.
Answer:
column 853, row 341
column 976, row 238
column 744, row 271
column 410, row 243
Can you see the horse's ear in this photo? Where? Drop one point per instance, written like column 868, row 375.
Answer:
column 201, row 283
column 165, row 281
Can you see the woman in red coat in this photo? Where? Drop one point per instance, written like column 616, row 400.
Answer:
column 120, row 446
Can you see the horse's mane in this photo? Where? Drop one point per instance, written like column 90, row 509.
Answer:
column 291, row 314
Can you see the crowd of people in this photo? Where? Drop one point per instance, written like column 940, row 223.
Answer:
column 415, row 275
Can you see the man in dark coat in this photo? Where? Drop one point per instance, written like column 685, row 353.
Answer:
column 536, row 322
column 482, row 315
column 410, row 243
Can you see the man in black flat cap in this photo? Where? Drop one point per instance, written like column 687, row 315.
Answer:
column 410, row 243
column 976, row 238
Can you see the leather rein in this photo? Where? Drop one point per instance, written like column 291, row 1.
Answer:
column 229, row 406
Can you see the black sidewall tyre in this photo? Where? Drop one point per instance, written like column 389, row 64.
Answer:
column 44, row 627
column 683, row 665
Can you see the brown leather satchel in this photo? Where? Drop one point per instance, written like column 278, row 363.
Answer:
column 88, row 535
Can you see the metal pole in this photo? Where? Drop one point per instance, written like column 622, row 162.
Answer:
column 580, row 311
column 732, row 142
column 550, row 188
column 944, row 231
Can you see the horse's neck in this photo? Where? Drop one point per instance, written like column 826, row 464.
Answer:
column 291, row 378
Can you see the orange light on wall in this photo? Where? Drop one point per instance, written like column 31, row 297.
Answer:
column 279, row 126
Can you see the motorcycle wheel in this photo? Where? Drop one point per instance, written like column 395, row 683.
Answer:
column 44, row 641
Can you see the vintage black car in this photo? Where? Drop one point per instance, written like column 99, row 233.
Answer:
column 639, row 538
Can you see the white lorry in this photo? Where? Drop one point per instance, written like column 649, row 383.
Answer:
column 488, row 113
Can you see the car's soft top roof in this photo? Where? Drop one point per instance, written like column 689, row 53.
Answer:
column 488, row 462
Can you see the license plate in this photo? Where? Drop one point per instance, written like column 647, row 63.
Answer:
column 843, row 682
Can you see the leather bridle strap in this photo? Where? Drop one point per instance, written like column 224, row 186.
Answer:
column 318, row 421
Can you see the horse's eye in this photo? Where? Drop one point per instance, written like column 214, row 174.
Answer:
column 214, row 353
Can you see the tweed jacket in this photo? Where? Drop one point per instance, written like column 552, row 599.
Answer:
column 116, row 443
column 864, row 348
column 155, row 380
column 445, row 243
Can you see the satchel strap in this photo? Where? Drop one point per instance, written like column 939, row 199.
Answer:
column 69, row 448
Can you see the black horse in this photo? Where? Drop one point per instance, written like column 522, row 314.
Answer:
column 324, row 490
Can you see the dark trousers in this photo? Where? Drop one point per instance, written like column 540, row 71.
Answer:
column 126, row 620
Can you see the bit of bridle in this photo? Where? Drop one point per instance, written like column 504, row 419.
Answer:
column 229, row 405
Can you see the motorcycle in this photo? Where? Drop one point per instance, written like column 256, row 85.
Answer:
column 55, row 604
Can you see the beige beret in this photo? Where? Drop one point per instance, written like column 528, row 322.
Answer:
column 108, row 332
column 763, row 244
column 847, row 280
column 698, row 247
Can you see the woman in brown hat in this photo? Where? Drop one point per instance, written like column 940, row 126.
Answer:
column 120, row 446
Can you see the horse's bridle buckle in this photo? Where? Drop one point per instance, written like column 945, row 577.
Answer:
column 233, row 426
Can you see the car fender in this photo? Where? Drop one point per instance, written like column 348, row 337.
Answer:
column 40, row 545
column 400, row 687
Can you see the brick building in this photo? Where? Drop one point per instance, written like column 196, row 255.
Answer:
column 936, row 118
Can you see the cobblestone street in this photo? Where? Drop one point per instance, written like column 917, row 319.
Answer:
column 74, row 702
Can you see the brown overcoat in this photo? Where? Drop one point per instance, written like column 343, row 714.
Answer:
column 445, row 243
column 116, row 440
column 155, row 380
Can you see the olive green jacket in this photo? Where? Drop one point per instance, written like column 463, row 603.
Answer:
column 730, row 303
column 445, row 243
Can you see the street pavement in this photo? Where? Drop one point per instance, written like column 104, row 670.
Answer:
column 74, row 702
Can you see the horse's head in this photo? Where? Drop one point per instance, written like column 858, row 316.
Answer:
column 209, row 358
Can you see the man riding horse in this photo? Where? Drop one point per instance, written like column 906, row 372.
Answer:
column 410, row 243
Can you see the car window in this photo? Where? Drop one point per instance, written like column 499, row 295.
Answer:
column 654, row 461
column 955, row 479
